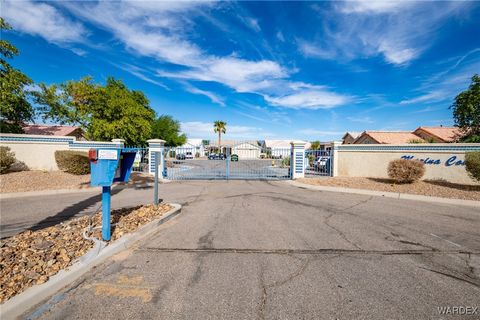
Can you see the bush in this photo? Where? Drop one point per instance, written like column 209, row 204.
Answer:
column 74, row 162
column 472, row 164
column 7, row 158
column 285, row 162
column 406, row 171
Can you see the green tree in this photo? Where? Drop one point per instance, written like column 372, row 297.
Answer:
column 219, row 127
column 466, row 111
column 15, row 107
column 315, row 145
column 106, row 112
column 168, row 129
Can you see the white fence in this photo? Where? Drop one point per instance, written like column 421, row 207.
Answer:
column 38, row 152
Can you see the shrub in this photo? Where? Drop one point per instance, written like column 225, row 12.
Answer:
column 7, row 158
column 19, row 166
column 74, row 162
column 285, row 162
column 472, row 164
column 406, row 171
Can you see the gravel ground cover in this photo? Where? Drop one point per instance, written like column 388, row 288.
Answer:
column 435, row 188
column 32, row 257
column 53, row 180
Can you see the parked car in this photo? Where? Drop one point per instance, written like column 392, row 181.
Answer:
column 234, row 157
column 216, row 156
column 188, row 155
column 322, row 164
column 180, row 156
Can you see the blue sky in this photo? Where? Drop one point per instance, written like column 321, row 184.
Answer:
column 277, row 70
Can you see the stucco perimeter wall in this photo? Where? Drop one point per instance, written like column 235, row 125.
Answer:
column 38, row 152
column 442, row 161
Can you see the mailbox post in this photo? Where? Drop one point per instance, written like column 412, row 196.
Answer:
column 109, row 166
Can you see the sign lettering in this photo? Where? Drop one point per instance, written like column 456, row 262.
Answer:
column 451, row 161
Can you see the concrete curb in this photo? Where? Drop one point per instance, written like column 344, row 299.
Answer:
column 395, row 195
column 21, row 303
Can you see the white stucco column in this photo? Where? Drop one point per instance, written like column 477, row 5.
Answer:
column 335, row 145
column 120, row 142
column 156, row 147
column 297, row 159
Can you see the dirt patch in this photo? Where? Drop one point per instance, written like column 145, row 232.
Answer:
column 32, row 257
column 434, row 188
column 54, row 180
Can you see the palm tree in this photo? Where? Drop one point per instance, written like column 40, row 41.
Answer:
column 219, row 127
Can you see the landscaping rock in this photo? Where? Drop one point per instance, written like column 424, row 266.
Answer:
column 32, row 257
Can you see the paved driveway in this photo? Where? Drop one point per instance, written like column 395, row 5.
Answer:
column 267, row 250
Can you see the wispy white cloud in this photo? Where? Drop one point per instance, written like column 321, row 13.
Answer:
column 428, row 97
column 444, row 88
column 253, row 23
column 427, row 109
column 212, row 96
column 132, row 24
column 361, row 119
column 374, row 6
column 44, row 20
column 139, row 73
column 397, row 30
column 304, row 96
column 280, row 36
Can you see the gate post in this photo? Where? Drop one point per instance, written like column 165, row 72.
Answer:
column 120, row 142
column 155, row 148
column 297, row 159
column 334, row 170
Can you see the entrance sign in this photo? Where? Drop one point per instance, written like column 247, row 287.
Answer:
column 451, row 161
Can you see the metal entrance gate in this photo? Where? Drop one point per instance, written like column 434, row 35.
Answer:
column 240, row 160
column 318, row 163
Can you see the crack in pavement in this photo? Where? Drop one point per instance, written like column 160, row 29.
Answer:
column 265, row 287
column 341, row 233
column 474, row 282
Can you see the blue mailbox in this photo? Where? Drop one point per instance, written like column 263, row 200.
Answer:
column 108, row 166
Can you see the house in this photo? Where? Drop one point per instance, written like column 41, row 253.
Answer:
column 246, row 150
column 438, row 134
column 350, row 136
column 277, row 148
column 54, row 130
column 387, row 137
column 194, row 146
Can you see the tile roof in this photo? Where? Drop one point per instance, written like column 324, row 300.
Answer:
column 354, row 134
column 390, row 137
column 278, row 143
column 46, row 130
column 447, row 134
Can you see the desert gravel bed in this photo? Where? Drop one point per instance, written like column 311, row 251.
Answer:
column 32, row 257
column 35, row 180
column 41, row 180
column 434, row 188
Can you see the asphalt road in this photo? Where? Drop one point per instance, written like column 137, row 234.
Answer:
column 267, row 250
